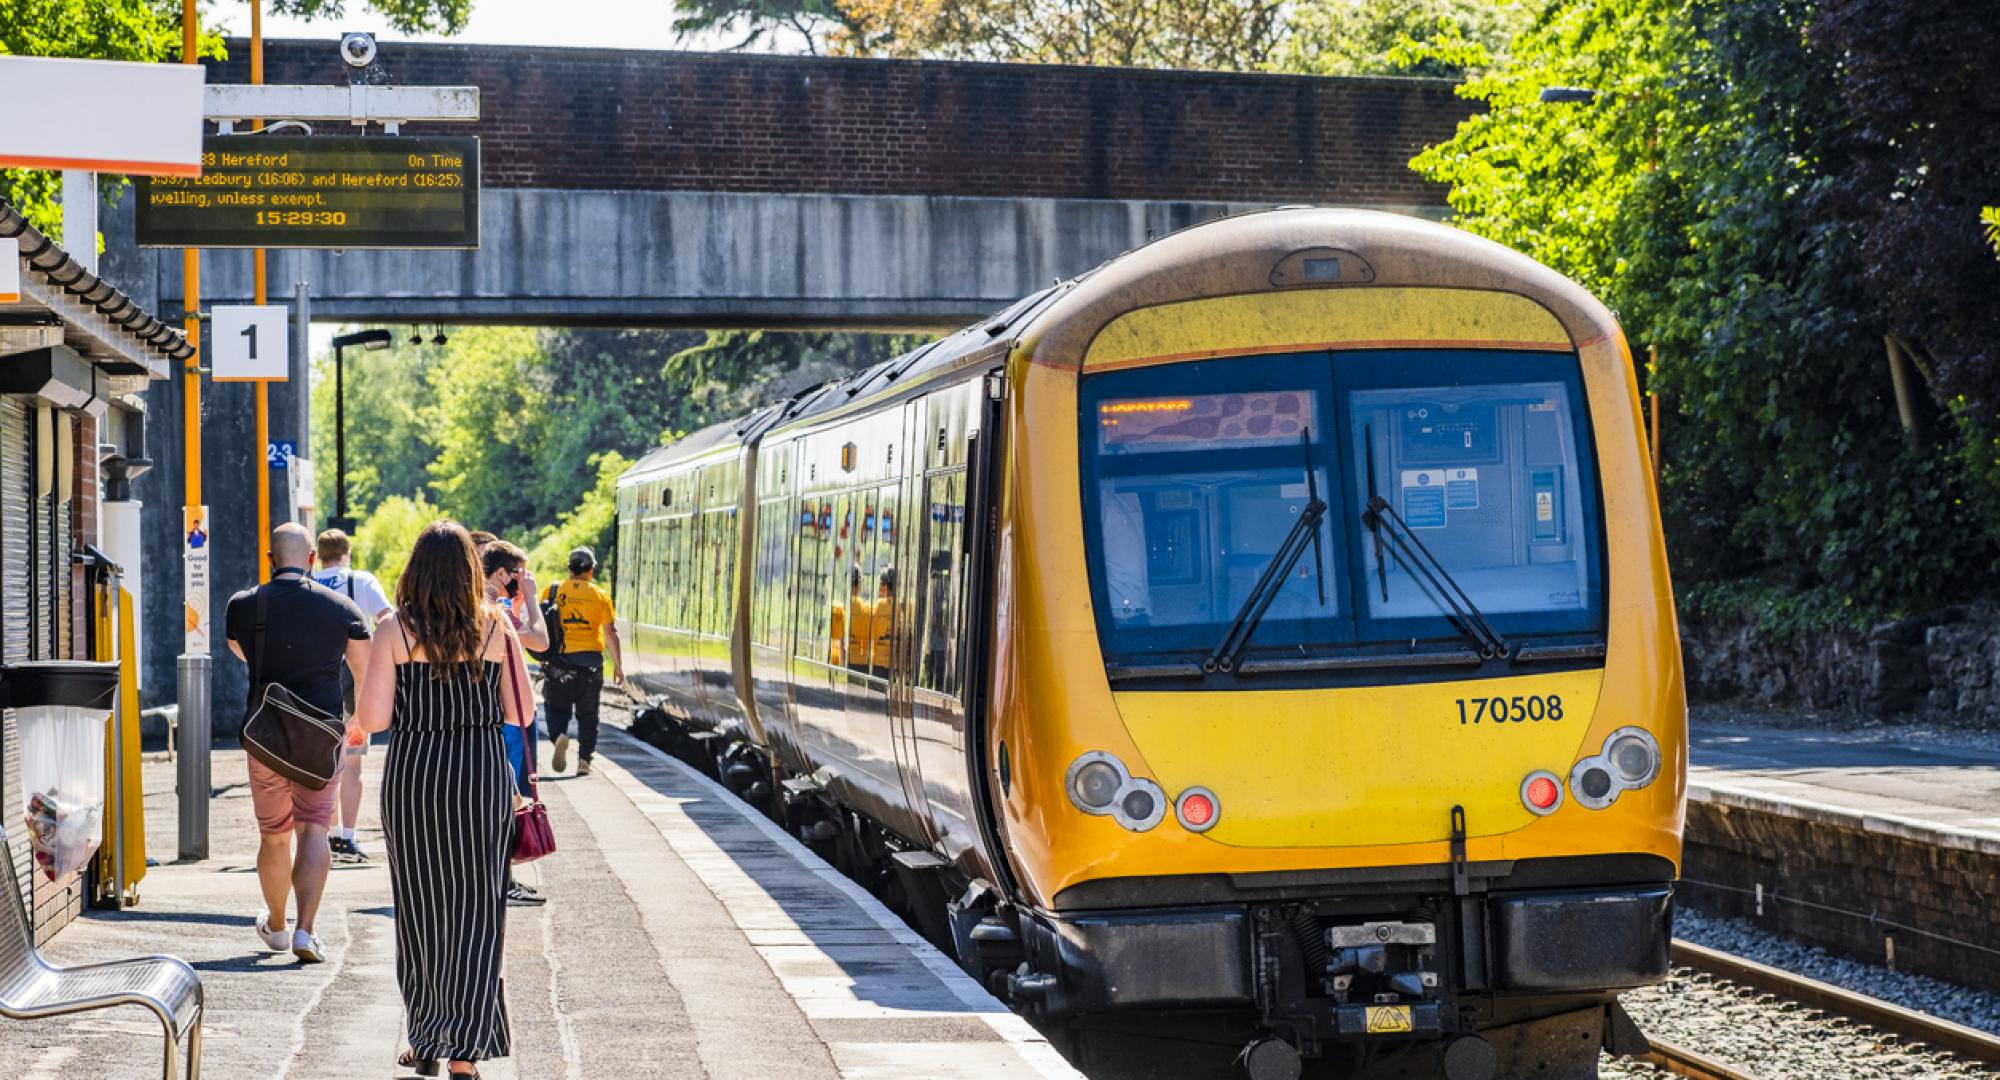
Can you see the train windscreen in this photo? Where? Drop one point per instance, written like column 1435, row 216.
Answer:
column 1199, row 477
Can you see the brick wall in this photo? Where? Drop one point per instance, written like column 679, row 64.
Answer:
column 620, row 119
column 1847, row 889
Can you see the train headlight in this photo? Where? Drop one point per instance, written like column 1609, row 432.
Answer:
column 1094, row 782
column 1634, row 754
column 1099, row 784
column 1141, row 805
column 1629, row 760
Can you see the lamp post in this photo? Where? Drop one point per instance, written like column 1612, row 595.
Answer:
column 367, row 339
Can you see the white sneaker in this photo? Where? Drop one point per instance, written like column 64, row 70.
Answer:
column 307, row 948
column 560, row 760
column 275, row 940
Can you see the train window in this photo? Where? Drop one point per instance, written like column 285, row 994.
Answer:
column 873, row 583
column 941, row 613
column 1201, row 474
column 1486, row 466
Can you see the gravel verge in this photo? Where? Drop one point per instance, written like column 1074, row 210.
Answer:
column 1774, row 1039
column 1973, row 1008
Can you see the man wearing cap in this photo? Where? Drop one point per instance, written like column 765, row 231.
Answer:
column 573, row 683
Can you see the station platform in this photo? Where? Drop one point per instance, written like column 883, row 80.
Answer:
column 1933, row 791
column 1877, row 844
column 684, row 936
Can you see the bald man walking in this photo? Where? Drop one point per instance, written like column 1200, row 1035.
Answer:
column 307, row 630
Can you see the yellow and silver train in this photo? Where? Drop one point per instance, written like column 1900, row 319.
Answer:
column 1272, row 621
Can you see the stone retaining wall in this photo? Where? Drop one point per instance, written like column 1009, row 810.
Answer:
column 1849, row 884
column 1944, row 662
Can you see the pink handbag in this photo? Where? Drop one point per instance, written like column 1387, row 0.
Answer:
column 533, row 838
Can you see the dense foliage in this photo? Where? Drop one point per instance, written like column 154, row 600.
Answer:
column 1429, row 38
column 1321, row 37
column 1696, row 196
column 524, row 432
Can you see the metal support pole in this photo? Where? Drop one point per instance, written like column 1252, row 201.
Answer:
column 302, row 361
column 262, row 388
column 191, row 772
column 339, row 438
column 117, row 752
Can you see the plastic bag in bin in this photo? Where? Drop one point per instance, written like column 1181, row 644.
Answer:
column 62, row 770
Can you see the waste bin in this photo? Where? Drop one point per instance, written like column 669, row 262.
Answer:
column 59, row 708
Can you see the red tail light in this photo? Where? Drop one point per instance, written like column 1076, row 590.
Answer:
column 1197, row 809
column 1541, row 792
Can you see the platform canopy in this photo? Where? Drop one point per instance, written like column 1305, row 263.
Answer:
column 48, row 300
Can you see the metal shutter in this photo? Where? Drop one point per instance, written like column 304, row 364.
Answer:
column 16, row 477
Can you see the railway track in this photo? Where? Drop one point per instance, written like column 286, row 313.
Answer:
column 1681, row 1061
column 1963, row 1042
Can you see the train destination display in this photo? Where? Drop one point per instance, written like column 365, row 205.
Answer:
column 346, row 191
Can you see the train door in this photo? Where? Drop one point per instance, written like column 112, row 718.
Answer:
column 821, row 683
column 937, row 633
column 906, row 545
column 870, row 636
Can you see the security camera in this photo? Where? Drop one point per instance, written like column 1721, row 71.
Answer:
column 357, row 49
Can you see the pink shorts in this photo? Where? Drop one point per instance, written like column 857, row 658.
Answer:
column 281, row 805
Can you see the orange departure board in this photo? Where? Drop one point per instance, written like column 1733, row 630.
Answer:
column 307, row 191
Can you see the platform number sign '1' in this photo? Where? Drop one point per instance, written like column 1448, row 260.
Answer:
column 249, row 342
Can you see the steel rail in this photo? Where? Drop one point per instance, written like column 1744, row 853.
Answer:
column 1940, row 1034
column 1681, row 1061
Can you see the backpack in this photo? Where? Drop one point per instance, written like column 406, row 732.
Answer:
column 552, row 618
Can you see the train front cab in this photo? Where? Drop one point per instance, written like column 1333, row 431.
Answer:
column 1425, row 785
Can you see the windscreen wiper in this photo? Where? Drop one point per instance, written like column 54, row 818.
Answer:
column 1418, row 559
column 1305, row 531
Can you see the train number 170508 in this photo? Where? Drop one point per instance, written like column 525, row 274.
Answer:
column 1518, row 709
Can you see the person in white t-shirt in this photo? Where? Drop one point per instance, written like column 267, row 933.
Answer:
column 337, row 572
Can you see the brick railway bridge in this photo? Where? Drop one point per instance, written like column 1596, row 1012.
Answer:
column 628, row 188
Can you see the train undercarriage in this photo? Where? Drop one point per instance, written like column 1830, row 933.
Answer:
column 1463, row 971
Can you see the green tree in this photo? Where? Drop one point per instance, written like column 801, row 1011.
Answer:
column 1920, row 134
column 388, row 447
column 812, row 21
column 592, row 523
column 1683, row 197
column 524, row 432
column 1431, row 38
column 734, row 372
column 486, row 417
column 409, row 16
column 383, row 540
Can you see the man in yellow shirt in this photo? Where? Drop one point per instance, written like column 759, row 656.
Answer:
column 573, row 681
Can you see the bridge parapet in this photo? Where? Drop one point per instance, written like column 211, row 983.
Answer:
column 617, row 119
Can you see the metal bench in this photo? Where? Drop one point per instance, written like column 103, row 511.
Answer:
column 31, row 988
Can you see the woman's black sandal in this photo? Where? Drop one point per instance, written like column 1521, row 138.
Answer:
column 408, row 1059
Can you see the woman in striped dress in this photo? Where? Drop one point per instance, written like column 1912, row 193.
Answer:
column 447, row 799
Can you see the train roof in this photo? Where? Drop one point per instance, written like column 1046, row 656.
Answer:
column 1263, row 251
column 835, row 394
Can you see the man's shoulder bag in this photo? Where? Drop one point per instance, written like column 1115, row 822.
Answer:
column 551, row 618
column 291, row 736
